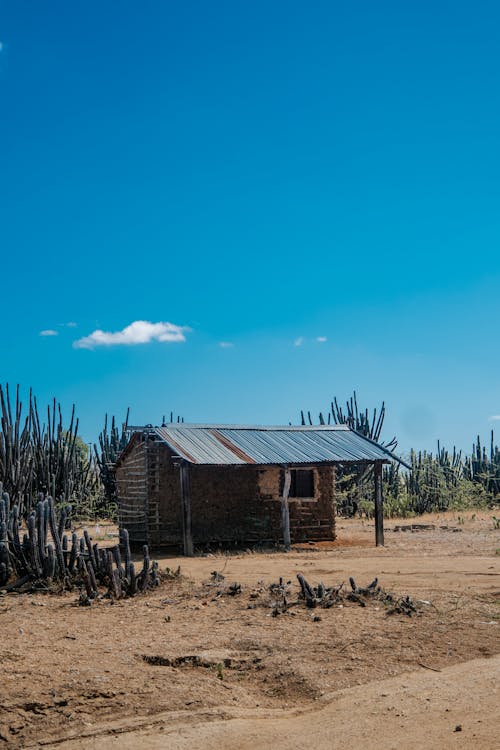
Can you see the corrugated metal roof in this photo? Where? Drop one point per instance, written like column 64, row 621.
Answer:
column 243, row 444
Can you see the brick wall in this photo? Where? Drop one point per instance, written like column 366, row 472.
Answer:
column 310, row 519
column 234, row 504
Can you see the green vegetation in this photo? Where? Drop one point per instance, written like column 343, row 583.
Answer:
column 437, row 482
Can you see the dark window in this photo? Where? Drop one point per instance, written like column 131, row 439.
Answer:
column 302, row 484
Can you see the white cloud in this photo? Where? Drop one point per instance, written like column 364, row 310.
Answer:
column 494, row 418
column 71, row 325
column 321, row 339
column 298, row 341
column 49, row 332
column 138, row 332
column 226, row 344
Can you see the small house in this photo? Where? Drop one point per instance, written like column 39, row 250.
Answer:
column 187, row 485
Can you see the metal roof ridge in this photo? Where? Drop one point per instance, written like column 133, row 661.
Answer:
column 259, row 427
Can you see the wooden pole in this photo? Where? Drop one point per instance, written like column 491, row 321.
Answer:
column 285, row 512
column 186, row 508
column 379, row 504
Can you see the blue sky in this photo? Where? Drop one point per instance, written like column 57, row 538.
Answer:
column 264, row 175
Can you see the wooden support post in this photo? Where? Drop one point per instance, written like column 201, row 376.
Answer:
column 379, row 504
column 186, row 508
column 285, row 512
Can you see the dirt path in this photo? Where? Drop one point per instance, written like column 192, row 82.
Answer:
column 412, row 711
column 188, row 664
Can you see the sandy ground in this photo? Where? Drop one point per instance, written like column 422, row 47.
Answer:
column 119, row 675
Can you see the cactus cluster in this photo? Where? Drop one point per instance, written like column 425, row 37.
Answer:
column 438, row 481
column 45, row 554
column 111, row 442
column 434, row 477
column 44, row 457
column 355, row 418
column 42, row 454
column 484, row 468
column 444, row 479
column 355, row 484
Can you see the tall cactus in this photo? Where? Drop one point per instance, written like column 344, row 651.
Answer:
column 355, row 484
column 48, row 458
column 437, row 481
column 110, row 444
column 4, row 548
